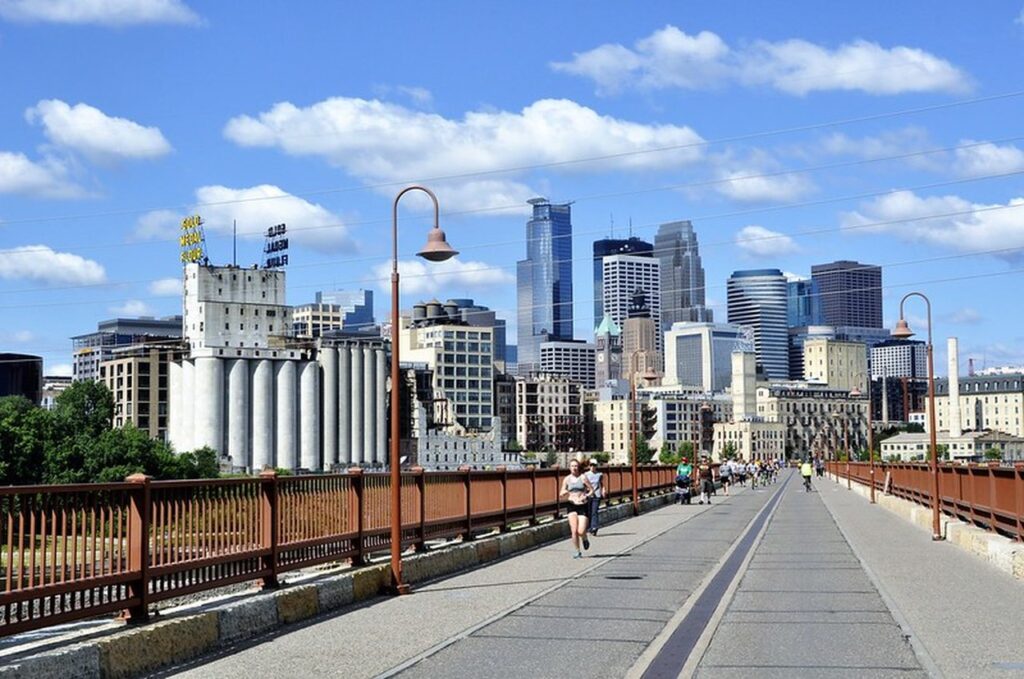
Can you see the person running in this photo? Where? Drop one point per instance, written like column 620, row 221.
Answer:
column 705, row 480
column 577, row 491
column 725, row 476
column 596, row 480
column 807, row 471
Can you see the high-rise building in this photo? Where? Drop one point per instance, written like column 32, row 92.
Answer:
column 605, row 248
column 899, row 358
column 624, row 276
column 137, row 377
column 549, row 413
column 640, row 353
column 682, row 275
column 571, row 360
column 699, row 355
column 350, row 310
column 757, row 299
column 851, row 293
column 544, row 282
column 837, row 364
column 608, row 351
column 803, row 304
column 96, row 347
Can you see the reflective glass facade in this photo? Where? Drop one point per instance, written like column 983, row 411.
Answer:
column 757, row 299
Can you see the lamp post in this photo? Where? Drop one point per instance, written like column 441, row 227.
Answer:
column 634, row 430
column 871, row 435
column 903, row 331
column 436, row 250
column 846, row 445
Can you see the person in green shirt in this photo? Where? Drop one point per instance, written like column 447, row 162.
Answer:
column 684, row 468
column 807, row 471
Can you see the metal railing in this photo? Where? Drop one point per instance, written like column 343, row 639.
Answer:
column 77, row 551
column 987, row 495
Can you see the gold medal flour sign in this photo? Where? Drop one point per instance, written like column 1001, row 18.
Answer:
column 192, row 240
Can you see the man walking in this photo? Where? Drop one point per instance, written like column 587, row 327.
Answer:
column 596, row 480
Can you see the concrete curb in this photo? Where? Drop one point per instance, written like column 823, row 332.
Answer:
column 1001, row 552
column 136, row 651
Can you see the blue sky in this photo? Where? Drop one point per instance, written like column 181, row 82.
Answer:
column 119, row 117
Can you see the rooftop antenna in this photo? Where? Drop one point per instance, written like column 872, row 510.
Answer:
column 630, row 227
column 611, row 225
column 234, row 242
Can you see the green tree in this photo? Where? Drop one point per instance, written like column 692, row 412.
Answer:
column 513, row 446
column 993, row 454
column 942, row 451
column 728, row 450
column 24, row 433
column 644, row 452
column 666, row 455
column 551, row 459
column 601, row 457
column 685, row 450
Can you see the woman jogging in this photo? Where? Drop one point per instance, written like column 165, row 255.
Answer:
column 576, row 491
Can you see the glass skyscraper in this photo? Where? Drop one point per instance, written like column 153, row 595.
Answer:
column 757, row 299
column 682, row 275
column 544, row 282
column 804, row 304
column 607, row 247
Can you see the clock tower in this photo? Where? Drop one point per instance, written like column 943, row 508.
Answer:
column 608, row 340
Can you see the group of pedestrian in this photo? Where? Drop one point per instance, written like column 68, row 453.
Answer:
column 583, row 492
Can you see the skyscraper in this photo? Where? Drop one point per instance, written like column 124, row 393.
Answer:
column 544, row 281
column 851, row 293
column 682, row 275
column 624, row 275
column 757, row 299
column 804, row 303
column 640, row 351
column 613, row 246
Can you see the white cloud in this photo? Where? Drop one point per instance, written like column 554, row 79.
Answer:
column 744, row 186
column 59, row 370
column 987, row 159
column 758, row 241
column 18, row 337
column 258, row 207
column 166, row 287
column 380, row 142
column 42, row 264
column 964, row 316
column 99, row 12
column 157, row 225
column 46, row 179
column 132, row 307
column 428, row 278
column 94, row 134
column 976, row 227
column 671, row 58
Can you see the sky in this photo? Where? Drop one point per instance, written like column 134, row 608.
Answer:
column 884, row 132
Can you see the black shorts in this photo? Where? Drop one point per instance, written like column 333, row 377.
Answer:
column 582, row 510
column 726, row 480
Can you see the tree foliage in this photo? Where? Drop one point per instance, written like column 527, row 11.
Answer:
column 74, row 443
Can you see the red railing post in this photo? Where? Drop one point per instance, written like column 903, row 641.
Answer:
column 973, row 495
column 1018, row 494
column 421, row 488
column 269, row 522
column 533, row 494
column 992, row 466
column 140, row 510
column 558, row 500
column 504, row 498
column 358, row 486
column 468, row 480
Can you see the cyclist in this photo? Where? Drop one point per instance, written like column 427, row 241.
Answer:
column 807, row 471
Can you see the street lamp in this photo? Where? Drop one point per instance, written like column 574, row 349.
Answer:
column 436, row 250
column 903, row 331
column 846, row 444
column 855, row 392
column 649, row 376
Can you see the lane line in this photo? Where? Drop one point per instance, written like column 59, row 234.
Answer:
column 673, row 649
column 469, row 631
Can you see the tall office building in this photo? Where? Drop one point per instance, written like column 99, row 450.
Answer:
column 350, row 310
column 682, row 275
column 851, row 293
column 624, row 276
column 572, row 360
column 544, row 282
column 613, row 246
column 804, row 304
column 641, row 353
column 699, row 355
column 757, row 299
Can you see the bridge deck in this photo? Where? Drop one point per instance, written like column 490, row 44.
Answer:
column 764, row 583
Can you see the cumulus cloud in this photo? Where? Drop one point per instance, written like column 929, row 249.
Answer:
column 758, row 241
column 981, row 159
column 969, row 228
column 18, row 337
column 964, row 316
column 745, row 186
column 46, row 179
column 423, row 278
column 381, row 142
column 99, row 12
column 132, row 307
column 157, row 225
column 42, row 264
column 94, row 134
column 165, row 287
column 671, row 58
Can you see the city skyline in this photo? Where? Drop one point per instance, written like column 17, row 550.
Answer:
column 94, row 180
